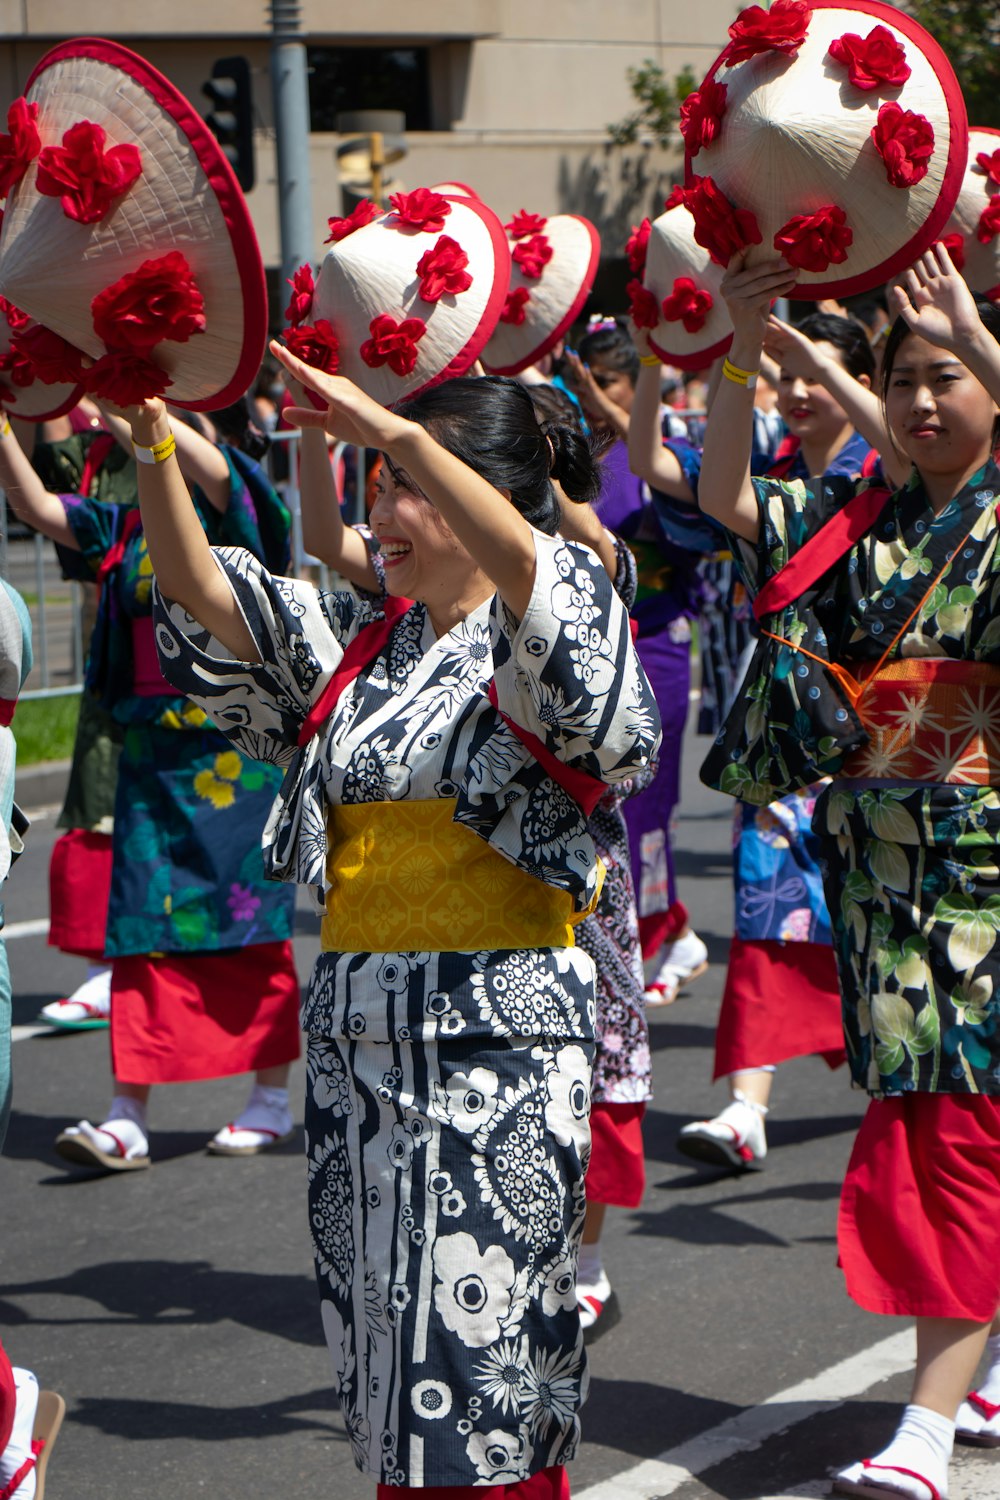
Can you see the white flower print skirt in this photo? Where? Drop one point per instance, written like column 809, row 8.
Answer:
column 447, row 1131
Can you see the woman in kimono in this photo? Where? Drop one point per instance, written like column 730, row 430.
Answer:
column 428, row 749
column 880, row 663
column 203, row 976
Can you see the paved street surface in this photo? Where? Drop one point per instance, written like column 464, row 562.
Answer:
column 176, row 1312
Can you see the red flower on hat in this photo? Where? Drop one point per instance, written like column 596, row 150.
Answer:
column 125, row 378
column 158, row 301
column 643, row 308
column 955, row 246
column 339, row 229
column 300, row 303
column 781, row 29
column 15, row 317
column 393, row 344
column 990, row 165
column 719, row 228
column 442, row 270
column 905, row 142
column 636, row 247
column 20, row 146
column 989, row 221
column 17, row 366
column 688, row 304
column 701, row 114
column 533, row 255
column 83, row 175
column 523, row 224
column 422, row 209
column 874, row 61
column 52, row 360
column 814, row 241
column 316, row 344
column 515, row 307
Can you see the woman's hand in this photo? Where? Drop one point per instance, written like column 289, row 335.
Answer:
column 748, row 293
column 781, row 340
column 640, row 338
column 594, row 401
column 148, row 422
column 350, row 416
column 936, row 303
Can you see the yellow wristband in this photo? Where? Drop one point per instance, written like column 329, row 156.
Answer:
column 158, row 454
column 650, row 359
column 733, row 372
column 5, row 429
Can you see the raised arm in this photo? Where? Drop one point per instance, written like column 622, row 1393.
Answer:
column 936, row 303
column 580, row 523
column 647, row 455
column 596, row 402
column 324, row 533
column 724, row 489
column 202, row 463
column 497, row 537
column 27, row 496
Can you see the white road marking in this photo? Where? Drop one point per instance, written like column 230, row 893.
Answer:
column 38, row 927
column 24, row 1033
column 658, row 1477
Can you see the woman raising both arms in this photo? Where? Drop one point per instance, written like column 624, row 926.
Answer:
column 438, row 758
column 889, row 647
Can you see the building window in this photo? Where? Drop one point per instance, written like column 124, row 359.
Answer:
column 347, row 78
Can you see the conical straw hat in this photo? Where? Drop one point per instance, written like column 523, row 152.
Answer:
column 22, row 393
column 781, row 150
column 410, row 298
column 184, row 203
column 692, row 324
column 554, row 264
column 976, row 219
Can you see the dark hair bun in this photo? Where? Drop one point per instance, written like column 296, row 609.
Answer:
column 573, row 462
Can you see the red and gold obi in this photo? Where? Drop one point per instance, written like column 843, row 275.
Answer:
column 929, row 719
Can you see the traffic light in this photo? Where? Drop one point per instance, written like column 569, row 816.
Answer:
column 231, row 117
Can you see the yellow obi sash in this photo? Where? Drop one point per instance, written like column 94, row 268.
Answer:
column 929, row 719
column 404, row 877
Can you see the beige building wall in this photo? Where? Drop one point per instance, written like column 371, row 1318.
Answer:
column 522, row 90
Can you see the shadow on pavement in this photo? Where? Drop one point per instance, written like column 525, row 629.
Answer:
column 641, row 1418
column 31, row 1138
column 154, row 1421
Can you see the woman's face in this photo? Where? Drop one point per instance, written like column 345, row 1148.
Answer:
column 614, row 383
column 423, row 559
column 939, row 415
column 806, row 407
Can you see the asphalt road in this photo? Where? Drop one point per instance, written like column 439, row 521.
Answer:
column 175, row 1309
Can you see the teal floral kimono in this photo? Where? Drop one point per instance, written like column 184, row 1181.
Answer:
column 911, row 868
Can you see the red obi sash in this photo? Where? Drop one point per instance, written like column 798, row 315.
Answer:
column 928, row 719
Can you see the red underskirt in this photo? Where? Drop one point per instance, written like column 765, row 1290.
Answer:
column 617, row 1170
column 548, row 1484
column 79, row 891
column 659, row 927
column 781, row 1000
column 178, row 1018
column 919, row 1230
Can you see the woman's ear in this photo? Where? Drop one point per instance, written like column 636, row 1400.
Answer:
column 864, row 380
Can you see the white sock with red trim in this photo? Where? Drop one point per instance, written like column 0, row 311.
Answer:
column 18, row 1449
column 917, row 1458
column 980, row 1414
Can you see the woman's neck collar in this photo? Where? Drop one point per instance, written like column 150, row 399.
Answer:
column 818, row 457
column 444, row 616
column 942, row 489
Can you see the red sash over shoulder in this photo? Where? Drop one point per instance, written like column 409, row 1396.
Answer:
column 821, row 552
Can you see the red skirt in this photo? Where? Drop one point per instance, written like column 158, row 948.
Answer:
column 179, row 1017
column 781, row 1000
column 616, row 1173
column 919, row 1231
column 79, row 889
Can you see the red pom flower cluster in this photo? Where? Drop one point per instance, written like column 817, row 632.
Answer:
column 442, row 270
column 642, row 305
column 393, row 344
column 701, row 114
column 905, row 142
column 719, row 228
column 422, row 209
column 14, row 363
column 85, row 174
column 872, row 62
column 532, row 255
column 781, row 29
column 16, row 319
column 303, row 288
column 811, row 242
column 524, row 224
column 50, row 358
column 636, row 247
column 124, row 378
column 158, row 301
column 989, row 221
column 990, row 165
column 515, row 307
column 316, row 344
column 21, row 144
column 339, row 229
column 955, row 246
column 688, row 304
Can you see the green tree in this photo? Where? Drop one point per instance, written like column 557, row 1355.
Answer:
column 969, row 32
column 657, row 99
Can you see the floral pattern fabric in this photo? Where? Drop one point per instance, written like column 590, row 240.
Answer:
column 779, row 888
column 448, row 1095
column 910, row 869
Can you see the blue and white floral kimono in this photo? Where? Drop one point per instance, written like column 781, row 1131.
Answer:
column 449, row 1071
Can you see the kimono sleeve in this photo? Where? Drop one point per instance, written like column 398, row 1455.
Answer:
column 96, row 526
column 573, row 678
column 300, row 635
column 791, row 511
